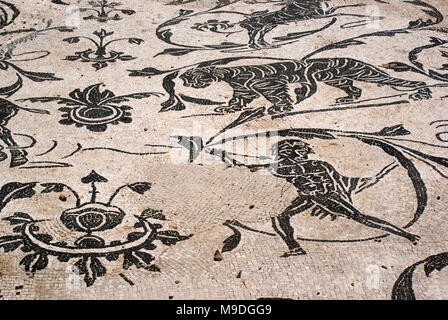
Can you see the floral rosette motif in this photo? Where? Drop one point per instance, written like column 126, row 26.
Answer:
column 93, row 108
column 92, row 226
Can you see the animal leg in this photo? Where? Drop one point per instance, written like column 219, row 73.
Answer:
column 341, row 207
column 305, row 91
column 286, row 231
column 241, row 98
column 347, row 86
column 261, row 42
column 253, row 34
column 276, row 92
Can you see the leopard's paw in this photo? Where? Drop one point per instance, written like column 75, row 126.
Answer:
column 422, row 94
column 274, row 110
column 345, row 100
column 228, row 109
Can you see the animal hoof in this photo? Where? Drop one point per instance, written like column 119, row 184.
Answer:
column 294, row 252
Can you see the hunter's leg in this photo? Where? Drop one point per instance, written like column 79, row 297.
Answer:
column 286, row 231
column 343, row 208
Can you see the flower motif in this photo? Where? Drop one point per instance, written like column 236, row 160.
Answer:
column 212, row 25
column 100, row 56
column 96, row 118
column 103, row 11
column 92, row 217
column 89, row 253
column 93, row 108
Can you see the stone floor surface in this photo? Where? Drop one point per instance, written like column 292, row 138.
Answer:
column 223, row 149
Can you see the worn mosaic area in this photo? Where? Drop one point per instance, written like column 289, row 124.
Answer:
column 223, row 149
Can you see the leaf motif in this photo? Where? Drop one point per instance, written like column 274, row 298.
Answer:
column 19, row 218
column 112, row 256
column 233, row 241
column 93, row 177
column 146, row 72
column 16, row 190
column 145, row 257
column 165, row 35
column 444, row 53
column 10, row 243
column 153, row 268
column 91, row 268
column 72, row 58
column 153, row 214
column 437, row 41
column 175, row 52
column 130, row 260
column 9, row 13
column 10, row 90
column 99, row 65
column 49, row 99
column 397, row 130
column 72, row 40
column 35, row 262
column 128, row 12
column 127, row 97
column 171, row 237
column 225, row 45
column 136, row 41
column 36, row 76
column 388, row 33
column 298, row 35
column 65, row 29
column 62, row 257
column 52, row 187
column 438, row 76
column 126, row 58
column 103, row 33
column 59, row 2
column 402, row 289
column 79, row 95
column 140, row 187
column 437, row 262
column 345, row 44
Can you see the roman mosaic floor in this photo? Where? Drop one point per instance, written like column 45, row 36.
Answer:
column 223, row 149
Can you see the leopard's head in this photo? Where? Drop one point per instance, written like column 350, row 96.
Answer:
column 199, row 77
